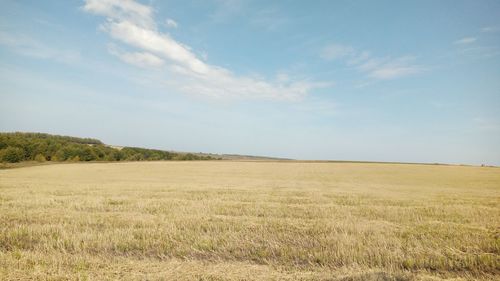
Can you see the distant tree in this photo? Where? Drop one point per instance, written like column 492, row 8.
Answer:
column 136, row 157
column 60, row 155
column 34, row 146
column 189, row 156
column 88, row 154
column 99, row 152
column 115, row 155
column 12, row 154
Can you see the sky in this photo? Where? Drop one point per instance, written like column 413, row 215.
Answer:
column 408, row 81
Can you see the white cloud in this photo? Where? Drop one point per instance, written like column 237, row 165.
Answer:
column 156, row 42
column 465, row 40
column 132, row 24
column 141, row 59
column 122, row 10
column 171, row 23
column 336, row 51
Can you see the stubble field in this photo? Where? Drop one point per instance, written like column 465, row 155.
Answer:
column 230, row 220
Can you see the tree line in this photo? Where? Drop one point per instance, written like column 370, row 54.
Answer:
column 17, row 147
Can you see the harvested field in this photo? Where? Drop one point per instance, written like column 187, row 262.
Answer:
column 230, row 220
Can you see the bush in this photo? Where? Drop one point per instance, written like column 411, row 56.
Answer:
column 12, row 154
column 40, row 158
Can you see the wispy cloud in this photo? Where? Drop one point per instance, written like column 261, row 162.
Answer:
column 27, row 46
column 141, row 59
column 132, row 24
column 380, row 68
column 227, row 9
column 469, row 46
column 336, row 51
column 490, row 29
column 358, row 57
column 318, row 107
column 269, row 19
column 487, row 124
column 465, row 41
column 171, row 23
column 390, row 68
column 480, row 52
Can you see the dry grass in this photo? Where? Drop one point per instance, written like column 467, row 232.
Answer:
column 249, row 221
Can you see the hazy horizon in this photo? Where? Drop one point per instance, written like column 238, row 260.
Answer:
column 323, row 80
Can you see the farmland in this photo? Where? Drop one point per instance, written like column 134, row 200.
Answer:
column 249, row 220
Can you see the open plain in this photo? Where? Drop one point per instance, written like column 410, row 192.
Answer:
column 237, row 220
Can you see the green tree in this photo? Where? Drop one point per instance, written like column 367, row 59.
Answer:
column 12, row 154
column 65, row 148
column 88, row 154
column 136, row 157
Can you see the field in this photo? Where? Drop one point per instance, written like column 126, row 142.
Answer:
column 230, row 220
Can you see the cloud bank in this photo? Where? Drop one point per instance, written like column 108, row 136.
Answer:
column 133, row 25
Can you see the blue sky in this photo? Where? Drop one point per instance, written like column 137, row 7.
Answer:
column 413, row 81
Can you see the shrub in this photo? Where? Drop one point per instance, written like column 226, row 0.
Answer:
column 40, row 158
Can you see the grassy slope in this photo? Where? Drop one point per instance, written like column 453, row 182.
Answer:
column 249, row 221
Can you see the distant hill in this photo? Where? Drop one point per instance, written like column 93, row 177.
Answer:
column 18, row 147
column 250, row 157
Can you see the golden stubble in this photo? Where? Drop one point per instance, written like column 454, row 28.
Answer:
column 230, row 220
